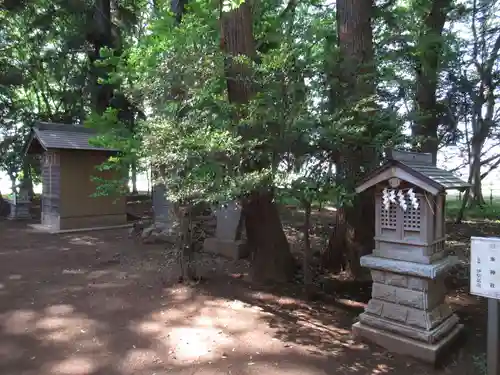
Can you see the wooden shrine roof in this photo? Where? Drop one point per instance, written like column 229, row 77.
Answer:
column 417, row 167
column 64, row 136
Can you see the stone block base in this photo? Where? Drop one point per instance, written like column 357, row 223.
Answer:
column 401, row 345
column 227, row 248
column 431, row 336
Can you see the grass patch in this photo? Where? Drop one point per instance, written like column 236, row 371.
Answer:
column 480, row 364
column 490, row 211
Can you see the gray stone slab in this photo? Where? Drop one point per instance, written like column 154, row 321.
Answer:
column 403, row 345
column 429, row 336
column 161, row 205
column 419, row 299
column 430, row 271
column 228, row 220
column 423, row 319
column 411, row 255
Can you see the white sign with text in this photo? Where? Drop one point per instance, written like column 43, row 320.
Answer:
column 485, row 267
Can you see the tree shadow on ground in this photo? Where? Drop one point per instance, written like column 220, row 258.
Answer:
column 66, row 309
column 323, row 329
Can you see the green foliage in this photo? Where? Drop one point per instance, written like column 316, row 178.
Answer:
column 11, row 155
column 192, row 135
column 289, row 133
column 480, row 364
column 490, row 211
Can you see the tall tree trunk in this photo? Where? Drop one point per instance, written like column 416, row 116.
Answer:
column 27, row 182
column 272, row 259
column 476, row 192
column 354, row 225
column 101, row 37
column 307, row 271
column 429, row 50
column 133, row 177
column 13, row 184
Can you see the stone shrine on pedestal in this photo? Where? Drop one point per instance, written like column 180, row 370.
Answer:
column 407, row 313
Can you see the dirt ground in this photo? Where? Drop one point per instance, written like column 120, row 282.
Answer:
column 99, row 303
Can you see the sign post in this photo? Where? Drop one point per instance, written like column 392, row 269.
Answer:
column 485, row 282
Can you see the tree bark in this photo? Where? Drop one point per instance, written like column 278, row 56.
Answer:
column 27, row 182
column 476, row 192
column 354, row 224
column 100, row 37
column 133, row 168
column 429, row 49
column 272, row 259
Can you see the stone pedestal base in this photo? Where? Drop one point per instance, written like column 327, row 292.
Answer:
column 228, row 248
column 407, row 313
column 405, row 346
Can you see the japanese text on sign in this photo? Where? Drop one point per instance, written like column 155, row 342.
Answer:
column 485, row 267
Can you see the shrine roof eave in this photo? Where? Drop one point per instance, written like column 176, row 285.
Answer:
column 395, row 168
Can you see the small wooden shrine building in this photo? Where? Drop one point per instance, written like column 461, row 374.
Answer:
column 408, row 313
column 68, row 163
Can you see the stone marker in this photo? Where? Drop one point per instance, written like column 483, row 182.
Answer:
column 407, row 313
column 20, row 206
column 226, row 241
column 228, row 220
column 161, row 205
column 163, row 229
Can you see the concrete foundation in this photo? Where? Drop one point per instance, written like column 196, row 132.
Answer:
column 227, row 248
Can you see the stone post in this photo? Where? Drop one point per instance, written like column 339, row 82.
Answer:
column 226, row 241
column 20, row 205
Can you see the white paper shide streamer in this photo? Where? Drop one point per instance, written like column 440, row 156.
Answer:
column 400, row 198
column 413, row 198
column 385, row 199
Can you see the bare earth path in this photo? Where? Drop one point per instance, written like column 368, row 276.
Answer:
column 68, row 307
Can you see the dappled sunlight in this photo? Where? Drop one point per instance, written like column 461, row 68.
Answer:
column 83, row 240
column 108, row 285
column 231, row 315
column 76, row 314
column 179, row 294
column 138, row 360
column 381, row 369
column 59, row 310
column 281, row 300
column 19, row 322
column 149, row 328
column 75, row 365
column 99, row 273
column 191, row 343
column 58, row 324
column 65, row 329
column 74, row 272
